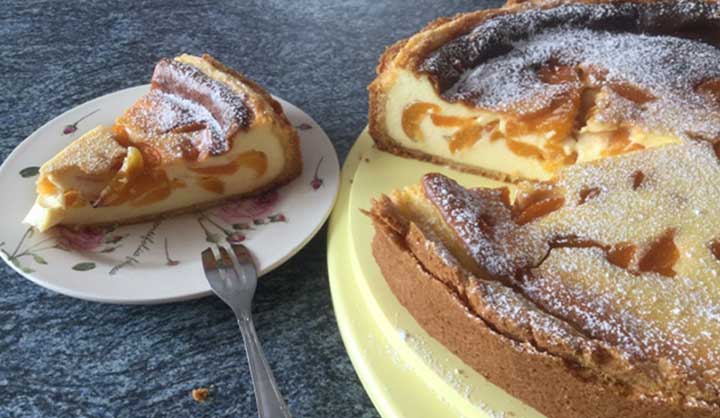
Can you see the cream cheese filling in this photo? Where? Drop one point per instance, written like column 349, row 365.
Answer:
column 52, row 209
column 589, row 143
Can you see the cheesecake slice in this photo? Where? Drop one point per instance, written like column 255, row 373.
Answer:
column 202, row 134
column 521, row 91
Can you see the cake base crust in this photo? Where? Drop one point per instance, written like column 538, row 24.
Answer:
column 543, row 381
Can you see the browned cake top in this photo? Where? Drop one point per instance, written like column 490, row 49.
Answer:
column 658, row 61
column 187, row 113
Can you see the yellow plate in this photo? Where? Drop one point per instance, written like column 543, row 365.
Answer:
column 405, row 372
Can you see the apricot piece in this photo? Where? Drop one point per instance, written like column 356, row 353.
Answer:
column 661, row 256
column 413, row 115
column 637, row 178
column 588, row 193
column 632, row 92
column 715, row 248
column 539, row 209
column 621, row 254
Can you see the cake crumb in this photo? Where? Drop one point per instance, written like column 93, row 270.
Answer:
column 200, row 394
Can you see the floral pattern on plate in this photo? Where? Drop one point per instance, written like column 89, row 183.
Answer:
column 157, row 261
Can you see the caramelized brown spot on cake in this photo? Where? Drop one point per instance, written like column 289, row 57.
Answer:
column 637, row 179
column 191, row 126
column 486, row 223
column 526, row 198
column 633, row 93
column 120, row 135
column 715, row 248
column 710, row 88
column 661, row 256
column 553, row 72
column 573, row 241
column 188, row 150
column 504, row 196
column 588, row 193
column 588, row 107
column 716, row 148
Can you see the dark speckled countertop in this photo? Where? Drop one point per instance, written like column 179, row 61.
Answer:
column 63, row 357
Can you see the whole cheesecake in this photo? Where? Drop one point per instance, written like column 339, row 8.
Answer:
column 591, row 289
column 522, row 91
column 202, row 134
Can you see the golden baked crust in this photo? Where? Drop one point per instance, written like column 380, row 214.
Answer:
column 448, row 52
column 487, row 285
column 102, row 155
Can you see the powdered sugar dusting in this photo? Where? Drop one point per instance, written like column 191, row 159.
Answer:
column 495, row 66
column 575, row 298
column 649, row 316
column 470, row 213
column 187, row 109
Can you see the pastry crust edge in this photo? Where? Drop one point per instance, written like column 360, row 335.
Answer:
column 544, row 381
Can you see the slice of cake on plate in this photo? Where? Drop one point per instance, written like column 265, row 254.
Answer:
column 202, row 134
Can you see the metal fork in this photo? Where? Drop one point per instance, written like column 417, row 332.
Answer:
column 233, row 279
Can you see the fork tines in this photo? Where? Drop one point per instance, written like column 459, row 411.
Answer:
column 227, row 267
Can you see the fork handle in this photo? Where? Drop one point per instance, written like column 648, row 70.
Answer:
column 270, row 403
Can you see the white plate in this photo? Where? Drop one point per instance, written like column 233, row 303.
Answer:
column 157, row 261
